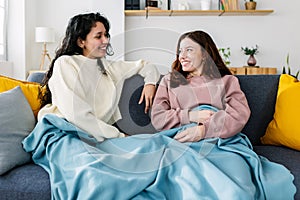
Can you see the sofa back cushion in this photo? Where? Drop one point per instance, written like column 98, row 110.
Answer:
column 260, row 91
column 134, row 120
column 36, row 77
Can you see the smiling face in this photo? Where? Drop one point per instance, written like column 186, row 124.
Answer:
column 96, row 42
column 191, row 56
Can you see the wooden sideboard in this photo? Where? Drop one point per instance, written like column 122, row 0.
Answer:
column 246, row 70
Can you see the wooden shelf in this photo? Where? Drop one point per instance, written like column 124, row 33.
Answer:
column 197, row 12
column 247, row 12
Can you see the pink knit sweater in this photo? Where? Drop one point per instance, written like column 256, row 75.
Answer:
column 171, row 105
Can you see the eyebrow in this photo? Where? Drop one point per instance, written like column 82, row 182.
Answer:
column 187, row 47
column 99, row 33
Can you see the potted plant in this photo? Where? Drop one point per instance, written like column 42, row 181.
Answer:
column 250, row 4
column 225, row 54
column 250, row 52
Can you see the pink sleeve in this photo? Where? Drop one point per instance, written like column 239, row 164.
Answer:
column 163, row 116
column 230, row 121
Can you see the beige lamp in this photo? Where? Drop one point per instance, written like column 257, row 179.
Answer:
column 44, row 35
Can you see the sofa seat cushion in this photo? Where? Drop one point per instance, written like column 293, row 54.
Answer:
column 285, row 156
column 29, row 181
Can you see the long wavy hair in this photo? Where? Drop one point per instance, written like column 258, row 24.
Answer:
column 214, row 66
column 78, row 27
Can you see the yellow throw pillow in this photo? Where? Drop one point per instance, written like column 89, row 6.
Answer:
column 30, row 90
column 284, row 129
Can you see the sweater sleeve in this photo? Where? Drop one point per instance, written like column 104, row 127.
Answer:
column 230, row 120
column 68, row 96
column 163, row 116
column 122, row 70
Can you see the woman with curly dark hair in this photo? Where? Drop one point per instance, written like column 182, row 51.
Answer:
column 83, row 86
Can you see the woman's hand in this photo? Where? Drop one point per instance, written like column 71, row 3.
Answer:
column 148, row 94
column 199, row 116
column 192, row 134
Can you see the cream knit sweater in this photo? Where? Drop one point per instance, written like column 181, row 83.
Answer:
column 89, row 99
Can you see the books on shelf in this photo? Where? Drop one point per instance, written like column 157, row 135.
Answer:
column 229, row 4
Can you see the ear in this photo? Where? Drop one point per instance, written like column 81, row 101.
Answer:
column 205, row 55
column 80, row 43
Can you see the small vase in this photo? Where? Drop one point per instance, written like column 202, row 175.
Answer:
column 251, row 61
column 205, row 4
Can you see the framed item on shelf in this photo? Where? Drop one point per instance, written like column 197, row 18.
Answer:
column 164, row 4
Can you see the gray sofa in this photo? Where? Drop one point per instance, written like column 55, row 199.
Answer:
column 31, row 181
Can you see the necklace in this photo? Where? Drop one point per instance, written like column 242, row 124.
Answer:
column 101, row 66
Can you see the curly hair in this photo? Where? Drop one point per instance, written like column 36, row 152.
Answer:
column 79, row 26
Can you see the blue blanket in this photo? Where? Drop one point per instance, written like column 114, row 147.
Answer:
column 153, row 166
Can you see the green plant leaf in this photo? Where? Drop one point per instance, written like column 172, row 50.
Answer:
column 283, row 70
column 288, row 60
column 297, row 74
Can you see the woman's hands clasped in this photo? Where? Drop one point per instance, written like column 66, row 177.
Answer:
column 195, row 133
column 148, row 94
column 200, row 116
column 192, row 134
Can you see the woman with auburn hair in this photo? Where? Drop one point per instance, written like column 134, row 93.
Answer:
column 204, row 103
column 199, row 76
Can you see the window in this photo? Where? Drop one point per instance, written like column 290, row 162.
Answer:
column 3, row 19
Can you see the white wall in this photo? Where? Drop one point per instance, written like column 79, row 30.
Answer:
column 25, row 15
column 5, row 68
column 276, row 35
column 16, row 37
column 20, row 37
column 155, row 38
column 61, row 14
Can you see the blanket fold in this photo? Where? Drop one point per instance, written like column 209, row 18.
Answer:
column 153, row 166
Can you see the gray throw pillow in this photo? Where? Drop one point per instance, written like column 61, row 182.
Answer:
column 16, row 122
